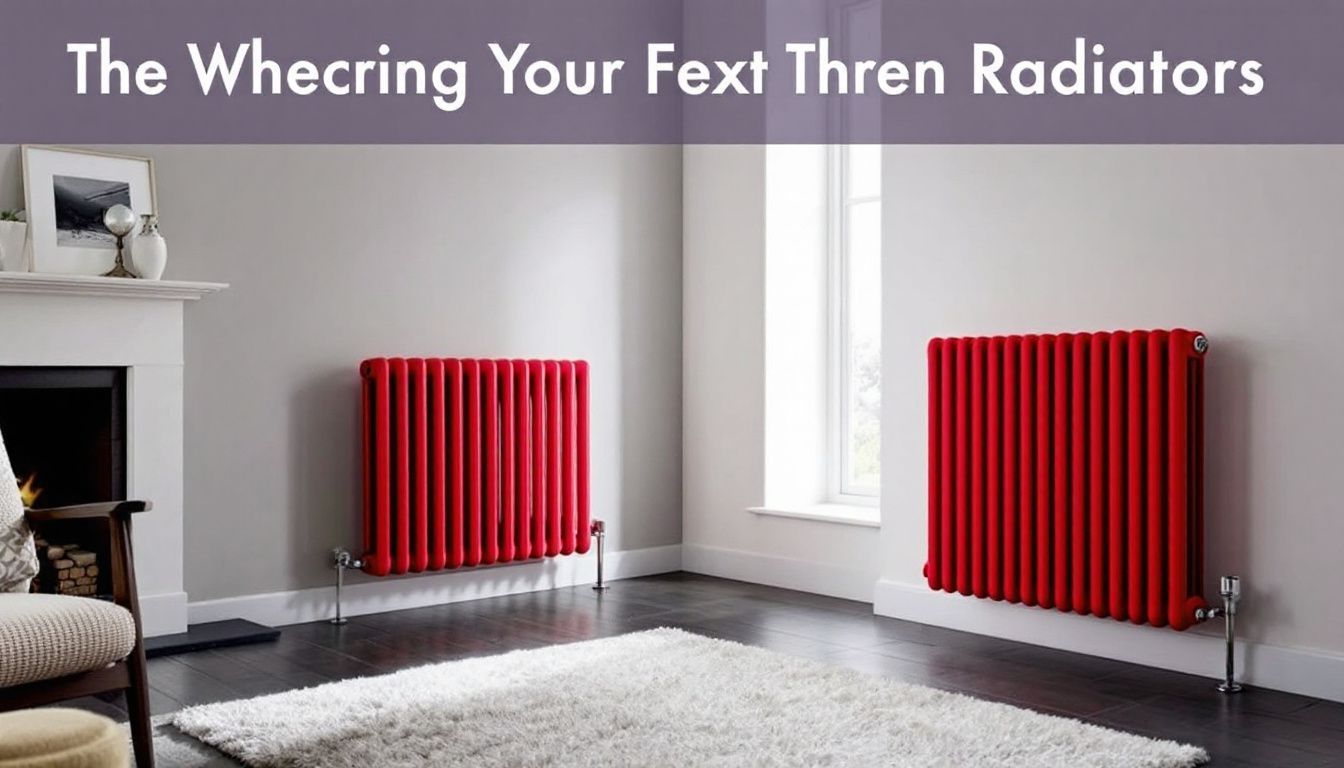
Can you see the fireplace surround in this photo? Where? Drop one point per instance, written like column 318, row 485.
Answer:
column 131, row 331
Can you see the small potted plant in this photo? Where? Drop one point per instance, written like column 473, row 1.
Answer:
column 13, row 241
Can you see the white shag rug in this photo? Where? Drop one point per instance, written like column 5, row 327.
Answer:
column 658, row 698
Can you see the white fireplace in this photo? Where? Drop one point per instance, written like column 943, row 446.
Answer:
column 59, row 320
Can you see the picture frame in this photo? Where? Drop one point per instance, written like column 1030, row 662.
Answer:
column 67, row 190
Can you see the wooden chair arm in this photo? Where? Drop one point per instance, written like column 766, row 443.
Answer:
column 110, row 524
column 104, row 510
column 113, row 518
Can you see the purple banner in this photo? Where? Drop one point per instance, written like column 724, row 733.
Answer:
column 671, row 71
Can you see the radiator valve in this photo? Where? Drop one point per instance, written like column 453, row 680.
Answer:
column 598, row 530
column 341, row 559
column 1229, row 587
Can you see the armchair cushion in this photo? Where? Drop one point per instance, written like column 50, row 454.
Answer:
column 43, row 637
column 18, row 556
column 54, row 737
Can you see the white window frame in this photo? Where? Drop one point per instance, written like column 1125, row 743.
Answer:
column 841, row 491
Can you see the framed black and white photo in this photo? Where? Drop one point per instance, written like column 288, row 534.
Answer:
column 67, row 192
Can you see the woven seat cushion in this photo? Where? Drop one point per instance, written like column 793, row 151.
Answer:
column 48, row 636
column 61, row 738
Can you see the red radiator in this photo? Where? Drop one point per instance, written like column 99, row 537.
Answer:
column 473, row 462
column 1066, row 471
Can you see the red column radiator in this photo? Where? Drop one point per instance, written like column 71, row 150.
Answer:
column 1066, row 472
column 473, row 462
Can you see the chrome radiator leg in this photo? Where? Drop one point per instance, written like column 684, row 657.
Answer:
column 341, row 560
column 1230, row 589
column 599, row 532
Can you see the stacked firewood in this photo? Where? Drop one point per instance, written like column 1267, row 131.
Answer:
column 66, row 569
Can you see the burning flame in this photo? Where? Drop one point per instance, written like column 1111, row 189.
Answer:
column 28, row 491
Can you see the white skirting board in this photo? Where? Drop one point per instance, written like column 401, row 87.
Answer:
column 393, row 594
column 1298, row 670
column 786, row 573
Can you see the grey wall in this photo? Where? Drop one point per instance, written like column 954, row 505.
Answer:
column 340, row 253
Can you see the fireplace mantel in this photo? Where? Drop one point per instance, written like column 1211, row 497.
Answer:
column 111, row 287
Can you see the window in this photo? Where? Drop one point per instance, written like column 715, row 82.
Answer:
column 856, row 322
column 823, row 295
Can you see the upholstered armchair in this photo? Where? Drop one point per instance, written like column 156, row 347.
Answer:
column 55, row 647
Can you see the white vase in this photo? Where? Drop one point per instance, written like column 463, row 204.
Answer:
column 13, row 246
column 149, row 251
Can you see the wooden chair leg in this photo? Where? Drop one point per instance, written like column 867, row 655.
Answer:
column 137, row 706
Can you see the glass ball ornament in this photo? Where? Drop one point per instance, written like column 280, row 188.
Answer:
column 119, row 220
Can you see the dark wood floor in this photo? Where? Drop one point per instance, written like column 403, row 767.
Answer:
column 1256, row 728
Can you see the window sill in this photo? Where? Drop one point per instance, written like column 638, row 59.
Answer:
column 842, row 514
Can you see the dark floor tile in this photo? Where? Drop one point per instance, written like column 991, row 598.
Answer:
column 689, row 621
column 1003, row 676
column 580, row 619
column 842, row 628
column 751, row 634
column 789, row 597
column 1204, row 689
column 290, row 657
column 186, row 685
column 1055, row 693
column 1078, row 664
column 685, row 593
column 1246, row 750
column 949, row 638
column 1282, row 730
column 326, row 633
column 219, row 664
column 1164, row 718
column 1326, row 714
column 161, row 703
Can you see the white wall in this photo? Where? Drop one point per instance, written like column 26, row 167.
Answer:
column 1242, row 243
column 724, row 422
column 340, row 253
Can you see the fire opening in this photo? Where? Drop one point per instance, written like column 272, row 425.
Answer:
column 29, row 490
